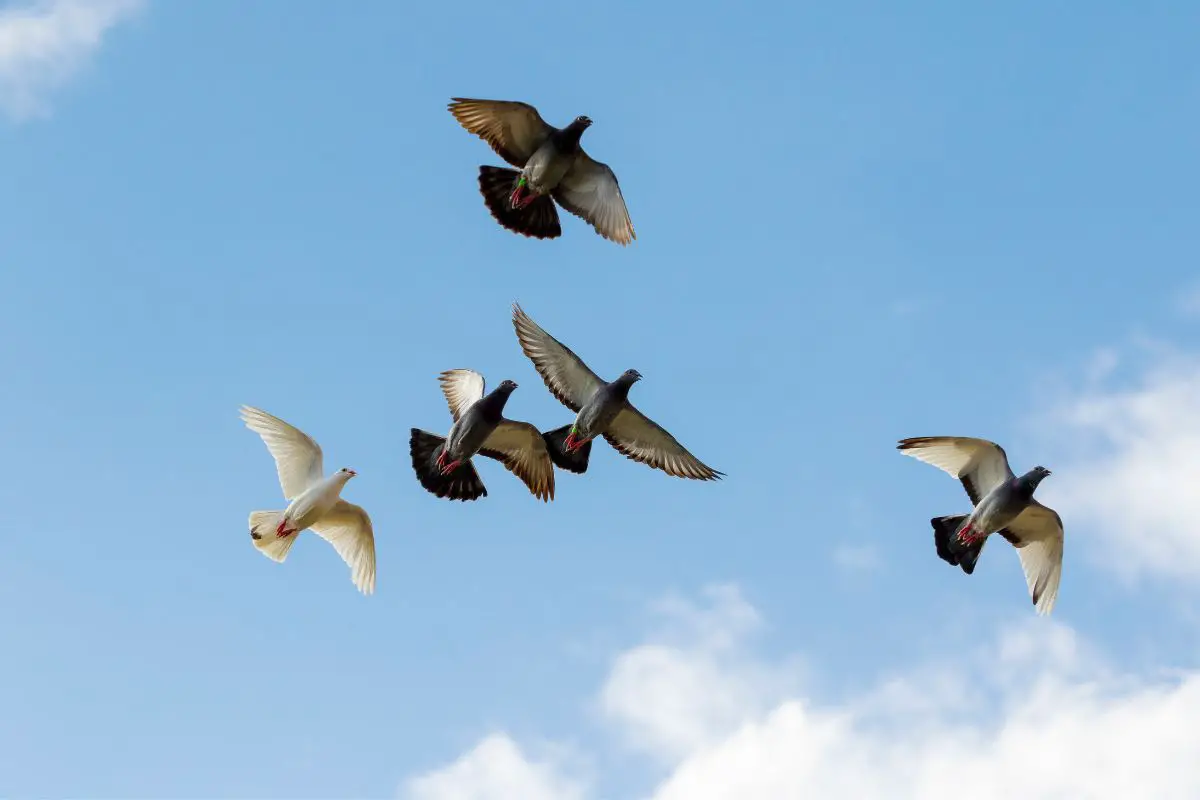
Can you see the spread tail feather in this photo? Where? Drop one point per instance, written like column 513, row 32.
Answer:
column 263, row 525
column 539, row 219
column 556, row 443
column 949, row 548
column 462, row 484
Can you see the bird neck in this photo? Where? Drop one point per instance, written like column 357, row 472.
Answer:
column 568, row 138
column 491, row 407
column 620, row 387
column 1025, row 485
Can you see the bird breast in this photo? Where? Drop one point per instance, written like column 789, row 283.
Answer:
column 314, row 503
column 545, row 169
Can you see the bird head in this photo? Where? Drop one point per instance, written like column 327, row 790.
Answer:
column 347, row 472
column 631, row 375
column 583, row 121
column 507, row 385
column 1036, row 475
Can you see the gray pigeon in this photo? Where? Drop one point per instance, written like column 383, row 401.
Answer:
column 552, row 165
column 602, row 409
column 1004, row 504
column 443, row 465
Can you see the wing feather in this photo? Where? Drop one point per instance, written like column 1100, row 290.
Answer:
column 570, row 380
column 514, row 130
column 348, row 528
column 519, row 446
column 463, row 388
column 590, row 191
column 298, row 458
column 1037, row 533
column 980, row 465
column 636, row 436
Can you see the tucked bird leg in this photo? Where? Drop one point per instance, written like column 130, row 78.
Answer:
column 445, row 468
column 573, row 443
column 282, row 530
column 519, row 201
column 968, row 535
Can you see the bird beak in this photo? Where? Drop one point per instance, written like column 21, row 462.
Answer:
column 352, row 473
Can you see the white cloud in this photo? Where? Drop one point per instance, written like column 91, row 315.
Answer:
column 44, row 44
column 695, row 685
column 495, row 769
column 1035, row 714
column 1130, row 479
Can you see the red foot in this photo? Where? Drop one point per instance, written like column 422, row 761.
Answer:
column 445, row 468
column 573, row 444
column 968, row 536
column 516, row 199
column 281, row 531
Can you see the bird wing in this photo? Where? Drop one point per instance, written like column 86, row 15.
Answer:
column 513, row 129
column 1037, row 533
column 298, row 458
column 980, row 465
column 348, row 528
column 564, row 373
column 463, row 388
column 520, row 447
column 591, row 192
column 636, row 436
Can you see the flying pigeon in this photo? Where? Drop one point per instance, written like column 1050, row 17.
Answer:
column 314, row 501
column 443, row 465
column 602, row 409
column 1004, row 504
column 552, row 165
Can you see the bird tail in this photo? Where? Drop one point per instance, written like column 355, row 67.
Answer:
column 949, row 548
column 462, row 484
column 539, row 219
column 263, row 525
column 556, row 443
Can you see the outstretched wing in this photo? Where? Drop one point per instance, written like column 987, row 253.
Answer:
column 980, row 465
column 564, row 373
column 1037, row 533
column 591, row 192
column 637, row 436
column 514, row 130
column 298, row 458
column 521, row 448
column 463, row 388
column 348, row 528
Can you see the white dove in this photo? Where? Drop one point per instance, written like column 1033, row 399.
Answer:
column 314, row 501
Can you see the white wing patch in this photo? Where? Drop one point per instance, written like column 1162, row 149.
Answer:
column 463, row 388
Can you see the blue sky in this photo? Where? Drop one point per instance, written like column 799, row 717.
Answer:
column 856, row 223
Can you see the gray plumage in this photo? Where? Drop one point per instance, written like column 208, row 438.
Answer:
column 602, row 408
column 553, row 167
column 1002, row 503
column 443, row 465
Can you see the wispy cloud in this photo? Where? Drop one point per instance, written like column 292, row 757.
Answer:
column 1034, row 713
column 857, row 557
column 44, row 44
column 1132, row 452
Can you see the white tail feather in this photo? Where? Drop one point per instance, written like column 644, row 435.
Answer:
column 262, row 533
